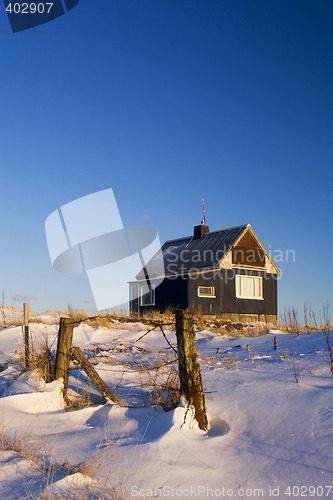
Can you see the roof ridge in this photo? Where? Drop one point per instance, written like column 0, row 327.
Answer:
column 210, row 232
column 243, row 226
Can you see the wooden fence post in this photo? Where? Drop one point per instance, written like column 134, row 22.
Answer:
column 93, row 375
column 189, row 370
column 63, row 356
column 26, row 335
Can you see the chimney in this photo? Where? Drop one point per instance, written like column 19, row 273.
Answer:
column 200, row 231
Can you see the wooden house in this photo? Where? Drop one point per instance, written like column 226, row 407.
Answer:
column 226, row 272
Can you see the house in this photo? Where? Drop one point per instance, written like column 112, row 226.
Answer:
column 226, row 272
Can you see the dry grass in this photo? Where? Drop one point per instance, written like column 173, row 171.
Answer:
column 223, row 326
column 219, row 324
column 10, row 316
column 291, row 321
column 41, row 359
column 163, row 386
column 39, row 453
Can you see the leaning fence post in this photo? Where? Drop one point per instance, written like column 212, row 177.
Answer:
column 189, row 370
column 93, row 375
column 63, row 356
column 26, row 335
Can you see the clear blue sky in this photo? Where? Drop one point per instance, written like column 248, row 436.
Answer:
column 168, row 102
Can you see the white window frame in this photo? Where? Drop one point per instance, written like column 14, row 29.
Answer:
column 146, row 290
column 209, row 294
column 246, row 290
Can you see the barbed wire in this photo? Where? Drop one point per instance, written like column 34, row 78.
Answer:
column 138, row 367
column 148, row 371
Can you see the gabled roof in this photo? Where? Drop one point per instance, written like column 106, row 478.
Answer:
column 189, row 255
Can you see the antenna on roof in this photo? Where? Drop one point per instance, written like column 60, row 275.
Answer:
column 203, row 229
column 203, row 212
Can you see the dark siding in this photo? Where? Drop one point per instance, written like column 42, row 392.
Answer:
column 183, row 293
column 225, row 291
column 205, row 305
column 170, row 293
column 231, row 304
column 270, row 293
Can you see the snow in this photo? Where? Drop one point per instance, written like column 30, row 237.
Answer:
column 266, row 431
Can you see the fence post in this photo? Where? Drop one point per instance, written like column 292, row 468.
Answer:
column 275, row 343
column 189, row 370
column 26, row 335
column 63, row 356
column 93, row 375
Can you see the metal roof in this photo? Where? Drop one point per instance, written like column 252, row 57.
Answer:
column 188, row 255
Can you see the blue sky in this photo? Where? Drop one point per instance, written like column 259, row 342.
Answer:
column 169, row 102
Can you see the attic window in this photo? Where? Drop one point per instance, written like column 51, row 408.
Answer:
column 206, row 291
column 249, row 287
column 147, row 295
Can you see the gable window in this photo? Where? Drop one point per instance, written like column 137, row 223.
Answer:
column 206, row 291
column 147, row 295
column 249, row 287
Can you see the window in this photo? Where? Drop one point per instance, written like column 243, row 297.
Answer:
column 249, row 287
column 147, row 295
column 206, row 291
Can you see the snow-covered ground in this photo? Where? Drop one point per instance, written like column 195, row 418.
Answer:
column 269, row 436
